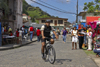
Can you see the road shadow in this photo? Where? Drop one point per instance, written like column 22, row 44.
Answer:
column 61, row 61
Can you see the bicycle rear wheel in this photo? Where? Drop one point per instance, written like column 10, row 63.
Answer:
column 51, row 55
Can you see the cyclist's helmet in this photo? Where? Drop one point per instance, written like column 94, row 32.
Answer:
column 48, row 21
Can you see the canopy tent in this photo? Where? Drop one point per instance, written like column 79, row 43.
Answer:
column 76, row 26
column 67, row 28
column 37, row 25
column 84, row 24
column 26, row 26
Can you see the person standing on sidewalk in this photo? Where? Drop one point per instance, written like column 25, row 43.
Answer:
column 31, row 30
column 38, row 32
column 23, row 32
column 64, row 35
column 17, row 36
column 74, row 38
column 54, row 34
column 89, row 35
column 20, row 36
column 58, row 32
column 81, row 32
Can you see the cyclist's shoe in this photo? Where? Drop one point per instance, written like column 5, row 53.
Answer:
column 43, row 57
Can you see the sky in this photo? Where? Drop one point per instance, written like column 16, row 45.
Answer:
column 63, row 5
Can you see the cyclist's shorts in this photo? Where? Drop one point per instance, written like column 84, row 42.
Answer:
column 44, row 40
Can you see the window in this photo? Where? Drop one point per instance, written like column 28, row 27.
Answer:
column 20, row 6
column 51, row 21
column 60, row 21
column 43, row 21
column 14, row 6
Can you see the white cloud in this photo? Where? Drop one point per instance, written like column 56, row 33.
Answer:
column 62, row 1
column 81, row 7
column 73, row 15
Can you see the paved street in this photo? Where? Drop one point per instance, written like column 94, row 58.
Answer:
column 30, row 56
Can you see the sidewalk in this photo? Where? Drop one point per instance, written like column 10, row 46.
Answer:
column 97, row 61
column 94, row 58
column 12, row 46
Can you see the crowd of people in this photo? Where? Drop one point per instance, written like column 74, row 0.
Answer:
column 19, row 34
column 86, row 37
column 6, row 30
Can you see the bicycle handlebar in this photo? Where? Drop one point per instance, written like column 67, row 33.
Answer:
column 47, row 38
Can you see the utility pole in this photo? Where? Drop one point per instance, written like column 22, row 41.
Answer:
column 77, row 12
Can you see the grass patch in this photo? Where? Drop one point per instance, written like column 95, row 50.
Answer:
column 88, row 52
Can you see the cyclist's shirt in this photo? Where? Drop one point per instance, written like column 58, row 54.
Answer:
column 47, row 30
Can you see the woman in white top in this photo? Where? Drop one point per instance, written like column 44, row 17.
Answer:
column 74, row 38
column 89, row 36
column 20, row 35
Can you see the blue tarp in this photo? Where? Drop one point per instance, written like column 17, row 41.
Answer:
column 0, row 34
column 76, row 26
column 83, row 23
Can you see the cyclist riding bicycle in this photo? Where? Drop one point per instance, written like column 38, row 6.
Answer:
column 45, row 32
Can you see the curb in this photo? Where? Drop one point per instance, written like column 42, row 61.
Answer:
column 17, row 46
column 94, row 62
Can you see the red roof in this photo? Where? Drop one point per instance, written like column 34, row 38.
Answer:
column 28, row 16
column 24, row 15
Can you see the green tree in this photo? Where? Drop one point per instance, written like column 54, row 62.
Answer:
column 34, row 12
column 25, row 6
column 4, row 7
column 91, row 9
column 37, row 21
column 97, row 1
column 85, row 6
column 92, row 6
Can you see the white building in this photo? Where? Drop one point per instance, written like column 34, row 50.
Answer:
column 25, row 18
column 54, row 21
column 15, row 14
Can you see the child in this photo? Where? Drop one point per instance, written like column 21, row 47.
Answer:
column 17, row 36
column 89, row 36
column 20, row 36
column 38, row 32
column 10, row 33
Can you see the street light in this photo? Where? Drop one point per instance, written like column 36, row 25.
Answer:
column 76, row 11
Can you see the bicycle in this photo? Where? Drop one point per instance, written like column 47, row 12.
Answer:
column 50, row 51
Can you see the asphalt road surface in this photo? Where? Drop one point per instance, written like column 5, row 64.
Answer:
column 30, row 56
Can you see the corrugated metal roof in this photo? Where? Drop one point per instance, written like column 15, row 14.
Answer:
column 33, row 24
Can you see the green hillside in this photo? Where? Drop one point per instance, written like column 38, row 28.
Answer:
column 34, row 12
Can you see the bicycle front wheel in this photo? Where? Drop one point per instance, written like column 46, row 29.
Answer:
column 51, row 55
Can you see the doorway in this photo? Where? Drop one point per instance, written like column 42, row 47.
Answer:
column 55, row 23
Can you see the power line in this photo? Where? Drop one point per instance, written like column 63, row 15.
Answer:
column 52, row 8
column 51, row 5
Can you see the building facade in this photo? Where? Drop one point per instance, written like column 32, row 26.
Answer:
column 14, row 19
column 54, row 21
column 25, row 18
column 85, row 14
